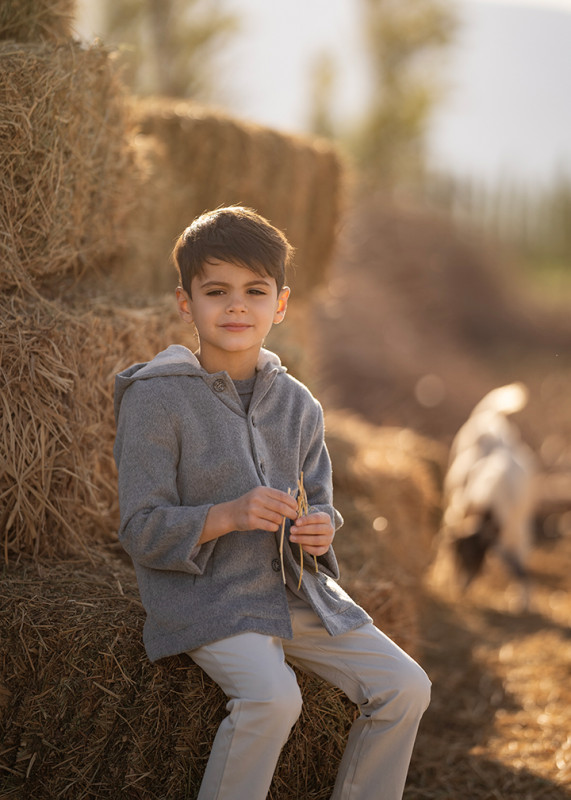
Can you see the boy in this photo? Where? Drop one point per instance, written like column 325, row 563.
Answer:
column 208, row 445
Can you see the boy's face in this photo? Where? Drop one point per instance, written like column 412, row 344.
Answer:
column 233, row 309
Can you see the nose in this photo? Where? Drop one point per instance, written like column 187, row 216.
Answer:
column 236, row 303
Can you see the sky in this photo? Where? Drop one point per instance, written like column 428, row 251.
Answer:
column 507, row 113
column 506, row 110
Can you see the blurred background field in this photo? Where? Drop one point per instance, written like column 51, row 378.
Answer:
column 418, row 287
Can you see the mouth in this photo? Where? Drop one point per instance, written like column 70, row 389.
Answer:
column 236, row 327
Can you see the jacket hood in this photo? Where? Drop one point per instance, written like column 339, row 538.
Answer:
column 179, row 360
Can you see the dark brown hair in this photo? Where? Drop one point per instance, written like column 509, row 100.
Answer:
column 235, row 234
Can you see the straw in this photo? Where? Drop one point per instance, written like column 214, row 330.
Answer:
column 37, row 20
column 57, row 363
column 65, row 162
column 87, row 715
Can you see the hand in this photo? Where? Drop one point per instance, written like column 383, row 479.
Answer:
column 263, row 509
column 313, row 532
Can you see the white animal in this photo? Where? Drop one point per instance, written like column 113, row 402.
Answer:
column 489, row 488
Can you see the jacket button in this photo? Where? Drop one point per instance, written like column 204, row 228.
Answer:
column 219, row 385
column 276, row 565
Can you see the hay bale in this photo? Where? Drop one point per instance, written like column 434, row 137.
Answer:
column 194, row 159
column 58, row 361
column 37, row 20
column 392, row 604
column 65, row 162
column 84, row 714
column 372, row 575
column 387, row 486
column 394, row 476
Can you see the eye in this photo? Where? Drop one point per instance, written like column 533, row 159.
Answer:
column 256, row 291
column 214, row 292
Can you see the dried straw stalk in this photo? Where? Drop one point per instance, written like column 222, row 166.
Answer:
column 37, row 20
column 65, row 162
column 85, row 715
column 196, row 159
column 57, row 364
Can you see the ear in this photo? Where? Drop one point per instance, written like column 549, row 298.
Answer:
column 281, row 307
column 184, row 307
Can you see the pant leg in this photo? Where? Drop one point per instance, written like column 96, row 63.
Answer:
column 264, row 703
column 390, row 688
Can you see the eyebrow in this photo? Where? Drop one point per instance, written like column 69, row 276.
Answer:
column 256, row 282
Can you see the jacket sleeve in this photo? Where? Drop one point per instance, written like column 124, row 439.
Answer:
column 155, row 529
column 318, row 484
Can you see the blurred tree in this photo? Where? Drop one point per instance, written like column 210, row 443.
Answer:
column 404, row 38
column 560, row 216
column 168, row 46
column 322, row 85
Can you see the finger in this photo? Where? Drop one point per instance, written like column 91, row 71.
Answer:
column 266, row 525
column 270, row 516
column 312, row 541
column 279, row 495
column 312, row 529
column 315, row 551
column 317, row 518
column 307, row 532
column 277, row 512
column 280, row 502
column 274, row 515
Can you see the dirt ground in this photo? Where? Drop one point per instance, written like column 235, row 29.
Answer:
column 409, row 299
column 499, row 724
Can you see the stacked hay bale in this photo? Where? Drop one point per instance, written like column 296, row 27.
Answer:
column 76, row 690
column 65, row 167
column 82, row 217
column 83, row 711
column 58, row 361
column 84, row 714
column 65, row 162
column 195, row 159
column 80, row 186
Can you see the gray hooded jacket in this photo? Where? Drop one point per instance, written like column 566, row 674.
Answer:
column 184, row 443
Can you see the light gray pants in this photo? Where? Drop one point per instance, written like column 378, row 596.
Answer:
column 391, row 690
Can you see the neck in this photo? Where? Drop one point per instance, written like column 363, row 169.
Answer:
column 239, row 366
